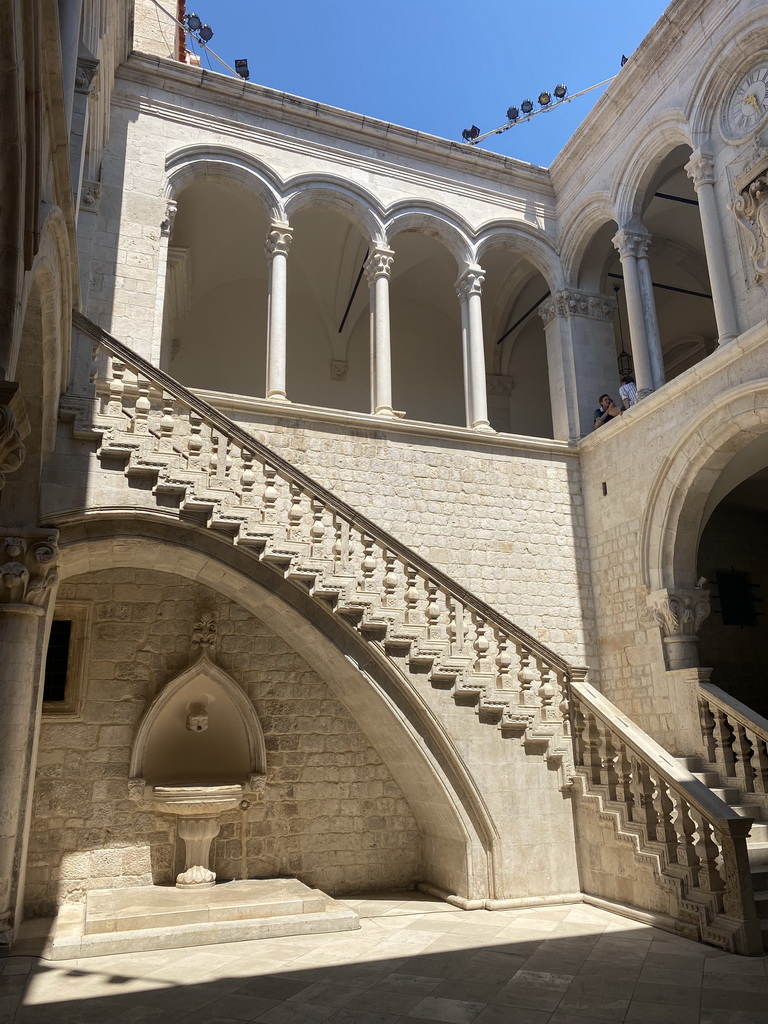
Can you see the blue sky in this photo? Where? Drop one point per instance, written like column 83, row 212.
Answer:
column 435, row 67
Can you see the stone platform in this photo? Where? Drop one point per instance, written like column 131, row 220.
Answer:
column 160, row 917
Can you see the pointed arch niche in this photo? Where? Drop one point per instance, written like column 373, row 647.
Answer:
column 200, row 729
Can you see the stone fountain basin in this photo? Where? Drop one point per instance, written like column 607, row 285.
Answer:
column 197, row 801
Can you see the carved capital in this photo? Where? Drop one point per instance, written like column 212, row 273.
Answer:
column 166, row 224
column 751, row 211
column 338, row 369
column 278, row 240
column 90, row 196
column 632, row 243
column 701, row 169
column 85, row 75
column 27, row 565
column 12, row 421
column 573, row 303
column 379, row 264
column 470, row 282
column 679, row 612
column 499, row 384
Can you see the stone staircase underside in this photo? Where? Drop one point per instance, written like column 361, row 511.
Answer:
column 194, row 463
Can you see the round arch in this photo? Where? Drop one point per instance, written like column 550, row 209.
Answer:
column 459, row 836
column 437, row 222
column 525, row 241
column 635, row 176
column 579, row 232
column 679, row 499
column 352, row 201
column 221, row 165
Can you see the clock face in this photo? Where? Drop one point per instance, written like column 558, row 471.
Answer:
column 747, row 105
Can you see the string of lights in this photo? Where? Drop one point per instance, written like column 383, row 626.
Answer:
column 525, row 112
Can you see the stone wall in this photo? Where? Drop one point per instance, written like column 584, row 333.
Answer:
column 331, row 813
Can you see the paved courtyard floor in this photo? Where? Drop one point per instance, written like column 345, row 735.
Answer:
column 414, row 961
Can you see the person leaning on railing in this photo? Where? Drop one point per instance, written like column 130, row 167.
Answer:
column 606, row 410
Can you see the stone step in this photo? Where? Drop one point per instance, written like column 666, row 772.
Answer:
column 761, row 902
column 758, row 834
column 758, row 854
column 728, row 794
column 709, row 779
column 693, row 764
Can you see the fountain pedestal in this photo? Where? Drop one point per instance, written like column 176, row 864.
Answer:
column 198, row 809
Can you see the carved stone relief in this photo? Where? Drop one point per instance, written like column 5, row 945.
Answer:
column 751, row 211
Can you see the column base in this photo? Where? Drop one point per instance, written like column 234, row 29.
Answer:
column 385, row 410
column 725, row 338
column 484, row 426
column 644, row 393
column 278, row 396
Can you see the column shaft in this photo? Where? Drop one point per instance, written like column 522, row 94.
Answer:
column 470, row 285
column 378, row 267
column 278, row 243
column 626, row 243
column 651, row 322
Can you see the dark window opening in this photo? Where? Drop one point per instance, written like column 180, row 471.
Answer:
column 737, row 599
column 57, row 661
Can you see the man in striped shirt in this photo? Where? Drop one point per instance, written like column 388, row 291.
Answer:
column 628, row 392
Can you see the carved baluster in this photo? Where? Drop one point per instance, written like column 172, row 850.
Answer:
column 389, row 580
column 642, row 790
column 458, row 631
column 317, row 530
column 591, row 740
column 116, row 388
column 270, row 495
column 685, row 828
column 230, row 458
column 738, row 900
column 707, row 720
column 504, row 679
column 481, row 644
column 579, row 729
column 526, row 677
column 759, row 762
column 742, row 750
column 411, row 597
column 624, row 778
column 664, row 808
column 247, row 480
column 195, row 440
column 708, row 854
column 723, row 735
column 338, row 544
column 608, row 758
column 368, row 564
column 549, row 695
column 295, row 512
column 434, row 612
column 142, row 407
column 167, row 424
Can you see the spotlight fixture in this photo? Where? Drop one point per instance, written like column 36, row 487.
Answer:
column 512, row 114
column 470, row 133
column 194, row 24
column 624, row 60
column 206, row 33
column 545, row 98
column 526, row 106
column 561, row 91
column 241, row 67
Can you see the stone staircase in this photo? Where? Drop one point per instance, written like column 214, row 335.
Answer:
column 182, row 458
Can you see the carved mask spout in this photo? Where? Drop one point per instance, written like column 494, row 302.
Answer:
column 197, row 717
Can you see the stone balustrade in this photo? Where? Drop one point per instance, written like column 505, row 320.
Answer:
column 693, row 841
column 735, row 740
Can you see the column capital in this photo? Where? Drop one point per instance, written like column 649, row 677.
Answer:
column 27, row 565
column 701, row 169
column 632, row 243
column 278, row 240
column 470, row 282
column 679, row 612
column 379, row 263
column 12, row 418
column 573, row 303
column 90, row 196
column 86, row 71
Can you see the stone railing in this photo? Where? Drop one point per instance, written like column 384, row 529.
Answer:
column 693, row 841
column 195, row 459
column 735, row 741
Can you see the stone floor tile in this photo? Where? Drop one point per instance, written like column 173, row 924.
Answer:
column 469, row 988
column 640, row 1012
column 345, row 1016
column 670, row 976
column 384, row 1000
column 512, row 1015
column 733, row 1017
column 669, row 995
column 528, row 996
column 450, row 1011
column 243, row 1007
column 692, row 962
column 326, row 993
column 297, row 1013
column 734, row 999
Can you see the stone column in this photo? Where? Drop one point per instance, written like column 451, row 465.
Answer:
column 641, row 310
column 680, row 614
column 27, row 576
column 469, row 288
column 378, row 267
column 85, row 87
column 70, row 13
column 278, row 243
column 581, row 358
column 701, row 171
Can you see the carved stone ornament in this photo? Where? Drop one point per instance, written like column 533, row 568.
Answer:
column 11, row 448
column 278, row 240
column 470, row 282
column 204, row 632
column 701, row 169
column 90, row 196
column 379, row 264
column 572, row 303
column 632, row 243
column 751, row 211
column 85, row 75
column 27, row 565
column 500, row 384
column 166, row 224
column 338, row 369
column 679, row 612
